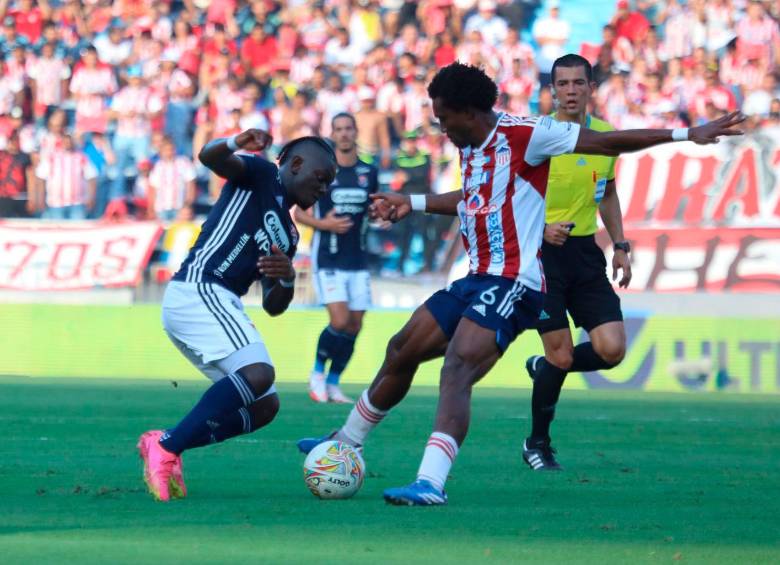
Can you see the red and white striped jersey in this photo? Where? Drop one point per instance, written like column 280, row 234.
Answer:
column 504, row 184
column 48, row 75
column 66, row 174
column 170, row 179
column 134, row 105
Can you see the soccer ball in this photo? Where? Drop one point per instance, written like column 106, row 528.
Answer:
column 334, row 469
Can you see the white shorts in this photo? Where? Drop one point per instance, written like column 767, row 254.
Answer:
column 207, row 323
column 352, row 287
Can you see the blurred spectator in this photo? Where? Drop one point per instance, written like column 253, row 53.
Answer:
column 17, row 199
column 133, row 107
column 757, row 35
column 112, row 48
column 98, row 150
column 66, row 183
column 413, row 177
column 373, row 133
column 92, row 83
column 551, row 34
column 171, row 184
column 629, row 24
column 758, row 103
column 494, row 28
column 49, row 76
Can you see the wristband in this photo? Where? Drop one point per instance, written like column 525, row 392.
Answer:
column 680, row 134
column 231, row 143
column 286, row 284
column 419, row 202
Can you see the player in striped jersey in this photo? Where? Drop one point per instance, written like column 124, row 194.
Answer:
column 248, row 236
column 505, row 163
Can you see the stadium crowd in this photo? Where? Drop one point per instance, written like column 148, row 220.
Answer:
column 105, row 104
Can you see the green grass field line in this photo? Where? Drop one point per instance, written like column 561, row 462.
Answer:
column 128, row 341
column 649, row 478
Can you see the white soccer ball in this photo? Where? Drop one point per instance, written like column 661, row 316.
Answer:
column 334, row 469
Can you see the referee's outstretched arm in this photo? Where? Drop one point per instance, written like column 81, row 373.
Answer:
column 617, row 142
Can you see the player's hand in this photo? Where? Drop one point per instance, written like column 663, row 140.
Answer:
column 336, row 224
column 254, row 140
column 557, row 233
column 277, row 265
column 389, row 206
column 620, row 260
column 711, row 131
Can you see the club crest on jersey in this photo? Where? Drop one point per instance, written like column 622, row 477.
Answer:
column 275, row 229
column 363, row 180
column 503, row 156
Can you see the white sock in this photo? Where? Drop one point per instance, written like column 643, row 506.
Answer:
column 438, row 458
column 361, row 420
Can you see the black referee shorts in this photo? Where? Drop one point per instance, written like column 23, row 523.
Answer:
column 577, row 281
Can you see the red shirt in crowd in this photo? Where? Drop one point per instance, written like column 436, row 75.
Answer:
column 29, row 23
column 259, row 53
column 13, row 178
column 634, row 26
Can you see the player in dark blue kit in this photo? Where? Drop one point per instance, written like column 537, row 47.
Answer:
column 339, row 261
column 248, row 236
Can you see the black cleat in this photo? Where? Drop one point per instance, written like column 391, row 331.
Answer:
column 531, row 364
column 540, row 456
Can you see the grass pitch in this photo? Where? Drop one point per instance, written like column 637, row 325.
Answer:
column 649, row 478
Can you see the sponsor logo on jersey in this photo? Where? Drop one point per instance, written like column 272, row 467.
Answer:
column 262, row 241
column 275, row 229
column 475, row 181
column 475, row 205
column 503, row 156
column 495, row 237
column 349, row 200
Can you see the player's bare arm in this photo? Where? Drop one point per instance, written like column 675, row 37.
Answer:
column 218, row 154
column 611, row 215
column 394, row 207
column 332, row 222
column 617, row 142
column 278, row 281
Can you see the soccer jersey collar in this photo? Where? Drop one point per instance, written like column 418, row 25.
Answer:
column 491, row 134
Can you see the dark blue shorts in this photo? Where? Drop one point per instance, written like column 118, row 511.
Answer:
column 496, row 303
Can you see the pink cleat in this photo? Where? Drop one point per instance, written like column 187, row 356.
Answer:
column 162, row 469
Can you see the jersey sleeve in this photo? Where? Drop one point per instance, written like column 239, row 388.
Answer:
column 258, row 172
column 550, row 138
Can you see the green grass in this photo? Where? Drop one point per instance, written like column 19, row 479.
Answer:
column 649, row 478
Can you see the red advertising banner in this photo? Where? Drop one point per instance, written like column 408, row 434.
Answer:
column 704, row 218
column 37, row 256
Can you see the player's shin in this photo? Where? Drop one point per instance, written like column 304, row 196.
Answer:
column 341, row 357
column 243, row 421
column 226, row 396
column 547, row 388
column 586, row 359
column 440, row 453
column 363, row 418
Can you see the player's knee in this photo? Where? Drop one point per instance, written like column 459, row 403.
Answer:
column 612, row 352
column 260, row 376
column 354, row 327
column 458, row 374
column 562, row 357
column 264, row 411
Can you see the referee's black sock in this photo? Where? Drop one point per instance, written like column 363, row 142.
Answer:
column 547, row 388
column 586, row 359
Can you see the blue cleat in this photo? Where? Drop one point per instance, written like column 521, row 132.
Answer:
column 419, row 493
column 306, row 444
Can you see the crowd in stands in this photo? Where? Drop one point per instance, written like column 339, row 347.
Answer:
column 105, row 104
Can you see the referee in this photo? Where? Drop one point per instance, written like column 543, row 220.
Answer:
column 574, row 266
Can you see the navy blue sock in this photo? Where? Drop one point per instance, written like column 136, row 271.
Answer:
column 223, row 397
column 326, row 348
column 586, row 359
column 341, row 357
column 547, row 388
column 225, row 427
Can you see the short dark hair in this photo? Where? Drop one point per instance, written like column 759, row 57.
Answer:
column 572, row 60
column 287, row 149
column 343, row 115
column 463, row 87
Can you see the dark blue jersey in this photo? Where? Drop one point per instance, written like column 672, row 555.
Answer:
column 348, row 195
column 251, row 214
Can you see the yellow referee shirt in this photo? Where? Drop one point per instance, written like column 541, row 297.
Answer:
column 576, row 185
